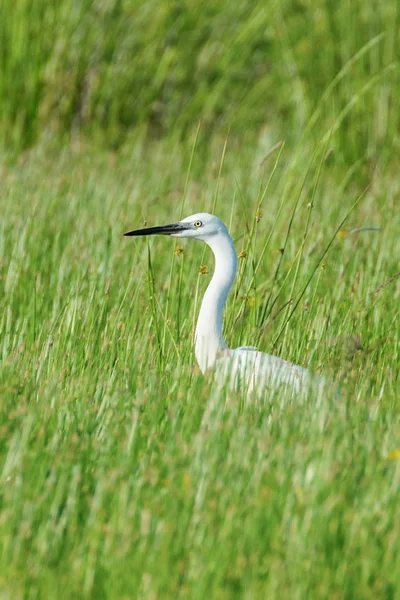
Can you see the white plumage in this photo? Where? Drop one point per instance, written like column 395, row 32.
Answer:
column 244, row 366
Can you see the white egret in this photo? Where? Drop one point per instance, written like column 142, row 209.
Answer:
column 240, row 366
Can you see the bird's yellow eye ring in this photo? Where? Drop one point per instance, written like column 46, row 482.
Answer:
column 197, row 224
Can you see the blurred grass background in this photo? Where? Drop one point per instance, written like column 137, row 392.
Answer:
column 105, row 68
column 123, row 473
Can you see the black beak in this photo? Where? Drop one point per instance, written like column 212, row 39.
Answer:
column 161, row 230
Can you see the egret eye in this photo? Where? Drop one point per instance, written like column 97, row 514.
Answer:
column 197, row 224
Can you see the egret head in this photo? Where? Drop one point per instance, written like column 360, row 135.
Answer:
column 201, row 226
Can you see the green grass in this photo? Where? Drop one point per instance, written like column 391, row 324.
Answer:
column 124, row 473
column 103, row 68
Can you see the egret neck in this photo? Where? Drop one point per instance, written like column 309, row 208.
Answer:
column 208, row 337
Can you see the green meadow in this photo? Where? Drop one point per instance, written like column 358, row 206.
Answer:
column 125, row 472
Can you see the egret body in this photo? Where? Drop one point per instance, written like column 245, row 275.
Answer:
column 241, row 366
